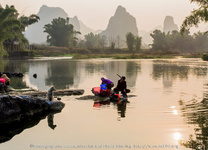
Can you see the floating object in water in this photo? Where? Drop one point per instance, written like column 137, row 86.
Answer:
column 35, row 75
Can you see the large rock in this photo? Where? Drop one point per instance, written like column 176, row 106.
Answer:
column 16, row 108
column 119, row 25
column 169, row 25
column 18, row 113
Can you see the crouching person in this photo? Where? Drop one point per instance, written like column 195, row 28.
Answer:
column 121, row 86
column 4, row 83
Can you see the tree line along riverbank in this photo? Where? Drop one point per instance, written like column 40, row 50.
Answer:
column 48, row 51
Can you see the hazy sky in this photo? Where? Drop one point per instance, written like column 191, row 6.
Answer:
column 96, row 13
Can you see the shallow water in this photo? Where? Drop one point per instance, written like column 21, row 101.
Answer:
column 163, row 113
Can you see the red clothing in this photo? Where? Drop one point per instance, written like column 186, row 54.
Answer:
column 106, row 92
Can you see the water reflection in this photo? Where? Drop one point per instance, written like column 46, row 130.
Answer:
column 110, row 69
column 64, row 74
column 196, row 113
column 169, row 71
column 145, row 114
column 50, row 121
column 121, row 107
column 9, row 130
column 61, row 74
column 3, row 63
column 15, row 66
column 177, row 136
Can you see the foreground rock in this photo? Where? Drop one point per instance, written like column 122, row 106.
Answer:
column 18, row 113
column 16, row 108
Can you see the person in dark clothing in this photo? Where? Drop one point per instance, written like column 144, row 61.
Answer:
column 121, row 86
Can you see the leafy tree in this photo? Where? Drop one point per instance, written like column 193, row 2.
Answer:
column 173, row 41
column 159, row 40
column 12, row 27
column 118, row 41
column 61, row 33
column 25, row 22
column 187, row 43
column 201, row 41
column 103, row 41
column 81, row 43
column 130, row 39
column 6, row 25
column 112, row 43
column 196, row 16
column 138, row 43
column 92, row 40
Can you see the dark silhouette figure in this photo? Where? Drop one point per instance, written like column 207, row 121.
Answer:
column 50, row 122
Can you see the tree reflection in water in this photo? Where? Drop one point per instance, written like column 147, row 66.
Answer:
column 197, row 114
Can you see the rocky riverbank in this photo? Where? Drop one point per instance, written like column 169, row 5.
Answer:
column 16, row 108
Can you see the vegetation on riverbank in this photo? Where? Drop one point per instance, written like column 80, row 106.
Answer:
column 205, row 57
column 46, row 51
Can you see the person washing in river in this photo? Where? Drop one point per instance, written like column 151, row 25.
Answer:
column 121, row 86
column 108, row 83
column 4, row 83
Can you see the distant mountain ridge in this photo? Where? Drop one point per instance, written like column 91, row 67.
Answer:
column 119, row 24
column 169, row 24
column 35, row 33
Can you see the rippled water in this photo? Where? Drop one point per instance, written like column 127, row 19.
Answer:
column 167, row 109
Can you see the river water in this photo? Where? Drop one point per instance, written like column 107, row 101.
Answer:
column 165, row 109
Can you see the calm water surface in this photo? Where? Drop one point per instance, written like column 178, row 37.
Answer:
column 165, row 111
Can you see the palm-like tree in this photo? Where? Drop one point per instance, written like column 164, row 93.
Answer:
column 25, row 22
column 12, row 27
column 7, row 23
column 61, row 33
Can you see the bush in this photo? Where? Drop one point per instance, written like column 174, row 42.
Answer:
column 205, row 57
column 80, row 51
